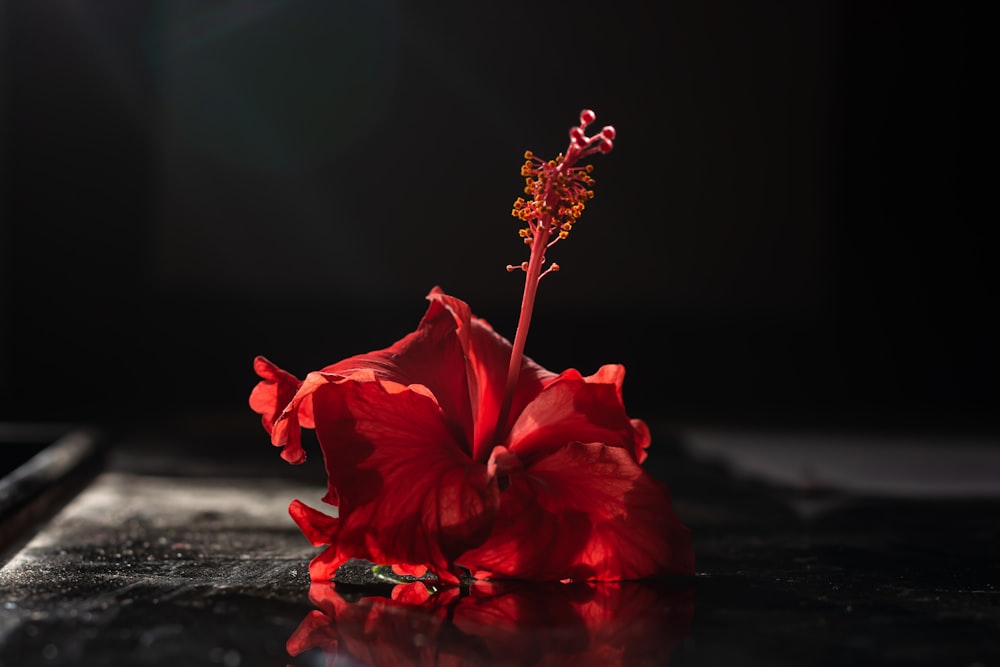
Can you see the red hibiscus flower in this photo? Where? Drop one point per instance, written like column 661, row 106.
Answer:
column 451, row 449
column 423, row 476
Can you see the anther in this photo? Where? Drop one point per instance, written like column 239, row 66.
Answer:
column 552, row 269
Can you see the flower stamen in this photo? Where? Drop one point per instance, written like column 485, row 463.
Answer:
column 558, row 191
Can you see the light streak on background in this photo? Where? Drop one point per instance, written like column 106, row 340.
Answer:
column 258, row 101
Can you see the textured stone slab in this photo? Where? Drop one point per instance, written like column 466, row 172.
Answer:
column 141, row 570
column 183, row 554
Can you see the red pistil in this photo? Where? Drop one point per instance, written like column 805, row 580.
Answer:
column 558, row 190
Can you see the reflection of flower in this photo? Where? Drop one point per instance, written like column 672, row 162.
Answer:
column 422, row 476
column 602, row 624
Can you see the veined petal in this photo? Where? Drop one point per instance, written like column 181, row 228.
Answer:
column 318, row 528
column 487, row 356
column 614, row 374
column 321, row 530
column 572, row 408
column 271, row 395
column 583, row 512
column 432, row 356
column 287, row 429
column 409, row 493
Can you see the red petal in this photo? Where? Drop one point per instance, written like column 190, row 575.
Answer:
column 269, row 398
column 488, row 355
column 432, row 356
column 409, row 493
column 572, row 408
column 458, row 357
column 318, row 528
column 584, row 512
column 323, row 568
column 287, row 431
column 615, row 374
column 409, row 570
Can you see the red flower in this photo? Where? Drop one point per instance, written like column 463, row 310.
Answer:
column 423, row 477
column 555, row 624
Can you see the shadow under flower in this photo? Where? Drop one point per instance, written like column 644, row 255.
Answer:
column 495, row 623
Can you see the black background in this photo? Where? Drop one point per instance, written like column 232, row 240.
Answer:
column 791, row 228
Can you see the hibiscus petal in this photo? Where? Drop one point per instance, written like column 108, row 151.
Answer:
column 488, row 355
column 318, row 528
column 323, row 568
column 287, row 430
column 432, row 356
column 409, row 493
column 409, row 570
column 614, row 374
column 271, row 395
column 572, row 408
column 584, row 512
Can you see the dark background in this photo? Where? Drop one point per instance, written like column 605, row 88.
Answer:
column 791, row 228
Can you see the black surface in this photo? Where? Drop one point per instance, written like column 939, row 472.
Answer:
column 183, row 554
column 46, row 465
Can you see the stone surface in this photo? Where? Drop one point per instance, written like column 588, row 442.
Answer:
column 143, row 570
column 182, row 553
